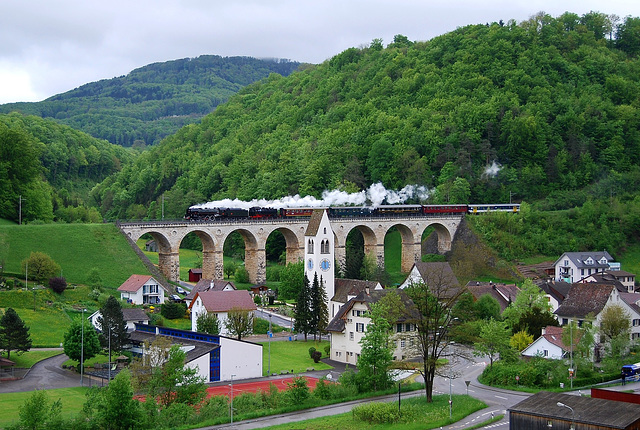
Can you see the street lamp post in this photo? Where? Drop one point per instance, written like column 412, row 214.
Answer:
column 82, row 348
column 269, row 335
column 232, row 398
column 109, row 353
column 450, row 371
column 573, row 414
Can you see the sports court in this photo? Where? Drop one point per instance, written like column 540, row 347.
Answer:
column 252, row 387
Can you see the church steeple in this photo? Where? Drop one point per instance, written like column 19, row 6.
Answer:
column 319, row 251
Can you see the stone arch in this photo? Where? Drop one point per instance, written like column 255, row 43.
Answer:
column 444, row 237
column 371, row 243
column 410, row 247
column 255, row 259
column 294, row 244
column 211, row 253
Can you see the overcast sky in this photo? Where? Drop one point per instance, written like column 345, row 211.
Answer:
column 52, row 46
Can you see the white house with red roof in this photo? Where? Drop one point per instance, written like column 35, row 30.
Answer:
column 142, row 290
column 548, row 345
column 219, row 303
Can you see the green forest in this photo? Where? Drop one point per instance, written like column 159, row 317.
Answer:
column 544, row 111
column 155, row 100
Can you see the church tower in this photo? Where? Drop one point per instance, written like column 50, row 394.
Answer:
column 319, row 251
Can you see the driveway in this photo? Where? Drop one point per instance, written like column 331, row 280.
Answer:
column 45, row 374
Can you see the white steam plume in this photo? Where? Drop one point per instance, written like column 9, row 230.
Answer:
column 492, row 171
column 376, row 195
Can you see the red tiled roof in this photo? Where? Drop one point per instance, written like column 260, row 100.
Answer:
column 134, row 283
column 224, row 301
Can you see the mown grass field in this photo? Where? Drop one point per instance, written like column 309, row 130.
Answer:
column 72, row 400
column 424, row 416
column 31, row 357
column 77, row 248
column 292, row 356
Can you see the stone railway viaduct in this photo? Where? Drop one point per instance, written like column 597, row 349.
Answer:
column 169, row 235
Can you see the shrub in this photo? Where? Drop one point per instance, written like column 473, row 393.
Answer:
column 273, row 273
column 298, row 390
column 247, row 402
column 242, row 275
column 316, row 355
column 376, row 413
column 215, row 407
column 327, row 350
column 58, row 284
column 311, row 351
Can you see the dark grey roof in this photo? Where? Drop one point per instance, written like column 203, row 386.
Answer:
column 579, row 258
column 201, row 348
column 208, row 285
column 314, row 222
column 350, row 287
column 503, row 293
column 134, row 314
column 556, row 289
column 608, row 279
column 585, row 299
column 588, row 410
column 337, row 324
column 440, row 278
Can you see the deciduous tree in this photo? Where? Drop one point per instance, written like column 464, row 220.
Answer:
column 208, row 323
column 40, row 266
column 376, row 355
column 434, row 301
column 76, row 337
column 239, row 322
column 494, row 341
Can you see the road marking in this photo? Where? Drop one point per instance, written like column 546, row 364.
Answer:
column 503, row 398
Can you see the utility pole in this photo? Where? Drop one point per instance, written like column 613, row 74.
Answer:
column 20, row 209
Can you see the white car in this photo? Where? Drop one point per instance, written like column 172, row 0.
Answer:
column 180, row 290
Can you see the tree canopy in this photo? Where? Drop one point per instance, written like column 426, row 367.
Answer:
column 14, row 334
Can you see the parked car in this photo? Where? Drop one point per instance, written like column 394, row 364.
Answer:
column 180, row 290
column 176, row 298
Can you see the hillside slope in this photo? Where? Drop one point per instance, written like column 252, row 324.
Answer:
column 538, row 109
column 155, row 100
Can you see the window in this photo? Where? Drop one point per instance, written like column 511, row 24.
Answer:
column 565, row 321
column 407, row 327
column 581, row 272
column 360, row 327
column 566, row 262
column 310, row 247
column 350, row 335
column 636, row 322
column 324, row 247
column 399, row 327
column 403, row 343
column 589, row 261
column 545, row 353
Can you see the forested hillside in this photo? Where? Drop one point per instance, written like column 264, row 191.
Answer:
column 52, row 168
column 155, row 100
column 551, row 104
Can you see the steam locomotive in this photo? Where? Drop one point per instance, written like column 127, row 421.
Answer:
column 196, row 213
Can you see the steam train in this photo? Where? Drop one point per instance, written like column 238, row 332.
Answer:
column 195, row 213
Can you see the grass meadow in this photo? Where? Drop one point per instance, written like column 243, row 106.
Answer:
column 77, row 248
column 72, row 400
column 287, row 356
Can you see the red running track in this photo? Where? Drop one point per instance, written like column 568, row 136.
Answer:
column 252, row 387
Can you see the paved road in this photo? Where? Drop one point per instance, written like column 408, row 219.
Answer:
column 45, row 374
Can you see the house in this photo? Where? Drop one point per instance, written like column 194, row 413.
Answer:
column 195, row 275
column 503, row 293
column 633, row 301
column 151, row 246
column 586, row 302
column 613, row 277
column 573, row 266
column 142, row 290
column 548, row 345
column 219, row 303
column 555, row 291
column 346, row 289
column 216, row 358
column 131, row 316
column 349, row 326
column 545, row 410
column 208, row 285
column 437, row 275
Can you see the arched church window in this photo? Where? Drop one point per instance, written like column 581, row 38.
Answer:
column 310, row 247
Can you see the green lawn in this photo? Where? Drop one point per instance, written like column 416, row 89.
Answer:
column 424, row 416
column 294, row 355
column 31, row 357
column 72, row 400
column 77, row 248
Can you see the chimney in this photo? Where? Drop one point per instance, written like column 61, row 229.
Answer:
column 366, row 290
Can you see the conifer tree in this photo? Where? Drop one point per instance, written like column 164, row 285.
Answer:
column 112, row 325
column 320, row 311
column 304, row 314
column 14, row 334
